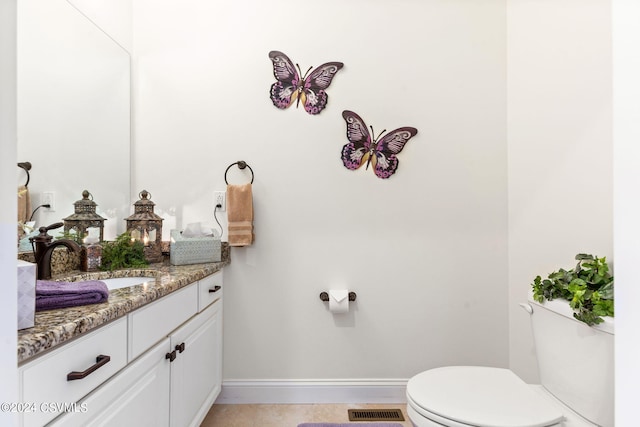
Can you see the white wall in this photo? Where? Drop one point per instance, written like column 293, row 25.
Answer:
column 560, row 147
column 425, row 250
column 626, row 133
column 8, row 200
column 112, row 16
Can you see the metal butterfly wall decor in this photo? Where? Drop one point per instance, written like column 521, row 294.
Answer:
column 292, row 86
column 381, row 152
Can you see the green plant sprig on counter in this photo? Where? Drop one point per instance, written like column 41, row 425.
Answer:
column 123, row 253
column 588, row 288
column 76, row 237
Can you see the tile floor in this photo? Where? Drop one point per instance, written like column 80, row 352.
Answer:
column 287, row 415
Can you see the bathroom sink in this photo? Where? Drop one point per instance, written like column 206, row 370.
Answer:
column 123, row 282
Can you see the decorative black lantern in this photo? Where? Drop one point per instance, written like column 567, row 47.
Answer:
column 85, row 217
column 145, row 226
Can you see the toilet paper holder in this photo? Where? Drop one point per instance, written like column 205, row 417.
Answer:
column 324, row 296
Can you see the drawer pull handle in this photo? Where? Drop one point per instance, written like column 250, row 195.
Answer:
column 171, row 356
column 180, row 347
column 215, row 289
column 101, row 360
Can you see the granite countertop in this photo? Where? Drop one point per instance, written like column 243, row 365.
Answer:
column 55, row 327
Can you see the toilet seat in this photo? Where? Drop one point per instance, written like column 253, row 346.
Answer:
column 480, row 397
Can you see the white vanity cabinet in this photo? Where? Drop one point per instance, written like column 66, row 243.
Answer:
column 174, row 372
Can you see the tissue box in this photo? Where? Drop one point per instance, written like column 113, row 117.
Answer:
column 26, row 294
column 193, row 250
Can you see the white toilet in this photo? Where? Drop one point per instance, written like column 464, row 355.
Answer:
column 575, row 363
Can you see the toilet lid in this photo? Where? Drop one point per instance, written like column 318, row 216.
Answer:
column 481, row 396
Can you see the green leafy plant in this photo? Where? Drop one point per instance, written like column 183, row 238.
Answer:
column 76, row 237
column 123, row 253
column 588, row 287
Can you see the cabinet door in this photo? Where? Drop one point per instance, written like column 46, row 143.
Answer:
column 196, row 372
column 137, row 396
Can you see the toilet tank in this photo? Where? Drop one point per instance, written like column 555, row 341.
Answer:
column 575, row 361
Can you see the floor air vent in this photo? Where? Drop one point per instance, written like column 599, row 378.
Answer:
column 375, row 415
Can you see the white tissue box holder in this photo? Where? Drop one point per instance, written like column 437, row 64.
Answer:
column 26, row 294
column 193, row 250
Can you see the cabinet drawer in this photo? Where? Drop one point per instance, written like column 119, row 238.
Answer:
column 150, row 324
column 209, row 290
column 44, row 381
column 136, row 396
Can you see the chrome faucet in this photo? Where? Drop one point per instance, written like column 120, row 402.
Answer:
column 44, row 247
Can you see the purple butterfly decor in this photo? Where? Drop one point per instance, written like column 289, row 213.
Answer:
column 290, row 86
column 380, row 152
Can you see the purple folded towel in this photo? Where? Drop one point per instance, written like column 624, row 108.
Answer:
column 51, row 295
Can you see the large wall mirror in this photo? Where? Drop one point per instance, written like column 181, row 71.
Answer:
column 73, row 112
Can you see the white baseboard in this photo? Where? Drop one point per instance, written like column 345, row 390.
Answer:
column 313, row 391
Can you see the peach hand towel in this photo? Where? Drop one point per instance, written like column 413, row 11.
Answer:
column 240, row 214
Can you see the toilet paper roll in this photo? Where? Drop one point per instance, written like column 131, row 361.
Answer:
column 339, row 301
